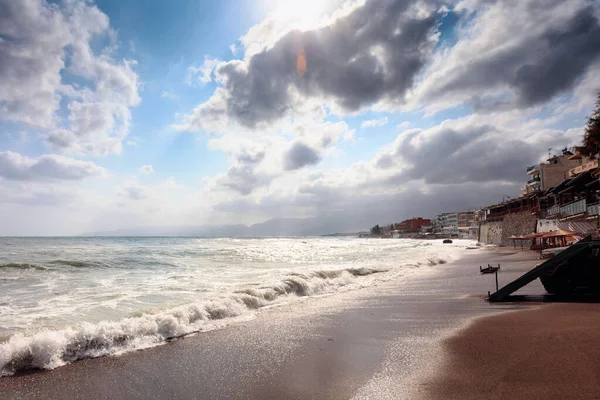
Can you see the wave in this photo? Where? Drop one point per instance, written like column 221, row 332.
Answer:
column 73, row 263
column 50, row 349
column 23, row 266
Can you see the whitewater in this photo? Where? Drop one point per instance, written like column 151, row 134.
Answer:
column 66, row 299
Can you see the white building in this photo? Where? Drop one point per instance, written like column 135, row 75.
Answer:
column 453, row 223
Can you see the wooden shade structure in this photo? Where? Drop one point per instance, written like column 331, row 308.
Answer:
column 556, row 238
column 519, row 238
column 559, row 233
column 522, row 239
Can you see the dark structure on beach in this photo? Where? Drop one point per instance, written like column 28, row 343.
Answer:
column 574, row 270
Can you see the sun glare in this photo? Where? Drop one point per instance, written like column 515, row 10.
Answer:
column 300, row 14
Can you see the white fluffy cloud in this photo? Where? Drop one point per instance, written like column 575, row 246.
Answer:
column 203, row 74
column 372, row 123
column 40, row 41
column 16, row 167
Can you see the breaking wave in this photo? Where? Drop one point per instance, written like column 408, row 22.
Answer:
column 49, row 349
column 23, row 266
column 73, row 263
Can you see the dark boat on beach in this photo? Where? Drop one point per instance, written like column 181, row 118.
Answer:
column 489, row 269
column 447, row 241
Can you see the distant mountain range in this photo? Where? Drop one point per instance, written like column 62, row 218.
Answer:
column 274, row 227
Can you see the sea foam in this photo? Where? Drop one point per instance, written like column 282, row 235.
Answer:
column 211, row 279
column 49, row 349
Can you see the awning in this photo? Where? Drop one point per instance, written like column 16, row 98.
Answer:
column 560, row 186
column 533, row 236
column 559, row 233
column 577, row 182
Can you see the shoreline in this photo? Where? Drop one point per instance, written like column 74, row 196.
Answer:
column 336, row 347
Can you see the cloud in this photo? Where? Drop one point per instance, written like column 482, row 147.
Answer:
column 459, row 164
column 203, row 74
column 40, row 43
column 300, row 155
column 513, row 54
column 133, row 191
column 14, row 166
column 244, row 180
column 137, row 198
column 256, row 160
column 147, row 169
column 359, row 59
column 372, row 123
column 471, row 149
column 346, row 211
column 244, row 176
column 35, row 195
column 33, row 36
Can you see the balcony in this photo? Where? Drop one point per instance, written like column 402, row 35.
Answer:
column 574, row 208
column 583, row 167
column 553, row 211
column 533, row 181
column 534, row 169
column 593, row 209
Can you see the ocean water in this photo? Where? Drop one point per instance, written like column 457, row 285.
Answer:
column 64, row 299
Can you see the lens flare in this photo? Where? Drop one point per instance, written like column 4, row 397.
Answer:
column 301, row 63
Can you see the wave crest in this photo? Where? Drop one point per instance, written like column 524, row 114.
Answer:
column 23, row 266
column 50, row 349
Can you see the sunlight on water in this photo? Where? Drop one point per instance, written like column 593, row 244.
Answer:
column 109, row 295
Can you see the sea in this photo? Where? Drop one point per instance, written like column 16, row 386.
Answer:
column 66, row 299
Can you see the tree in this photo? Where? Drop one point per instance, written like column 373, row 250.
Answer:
column 591, row 137
column 376, row 230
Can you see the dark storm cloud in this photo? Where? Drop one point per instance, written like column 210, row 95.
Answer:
column 467, row 154
column 242, row 176
column 371, row 54
column 534, row 66
column 569, row 51
column 300, row 155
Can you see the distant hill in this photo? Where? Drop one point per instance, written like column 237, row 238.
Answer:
column 273, row 227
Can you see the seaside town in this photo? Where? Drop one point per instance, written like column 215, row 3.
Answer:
column 560, row 198
column 559, row 204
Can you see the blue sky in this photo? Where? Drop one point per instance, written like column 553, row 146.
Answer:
column 117, row 114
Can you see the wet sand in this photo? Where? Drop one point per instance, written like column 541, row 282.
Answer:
column 551, row 352
column 375, row 342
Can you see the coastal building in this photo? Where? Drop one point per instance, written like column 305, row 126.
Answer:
column 573, row 204
column 454, row 223
column 514, row 217
column 547, row 175
column 446, row 223
column 465, row 219
column 426, row 230
column 412, row 225
column 587, row 164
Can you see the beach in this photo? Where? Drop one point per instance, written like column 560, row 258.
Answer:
column 549, row 352
column 391, row 340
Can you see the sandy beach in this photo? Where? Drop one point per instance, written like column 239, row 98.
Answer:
column 378, row 342
column 549, row 352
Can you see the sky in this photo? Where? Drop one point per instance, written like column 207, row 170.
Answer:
column 120, row 113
